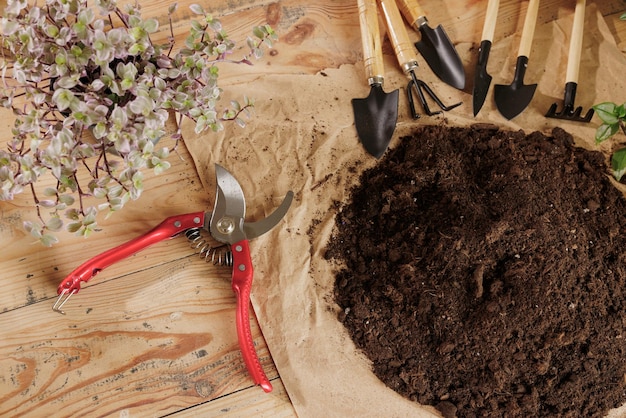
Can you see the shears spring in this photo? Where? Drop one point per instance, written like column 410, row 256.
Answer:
column 217, row 255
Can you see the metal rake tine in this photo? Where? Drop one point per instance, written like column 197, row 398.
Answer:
column 569, row 113
column 419, row 85
column 422, row 99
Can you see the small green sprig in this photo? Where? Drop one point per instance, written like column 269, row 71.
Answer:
column 92, row 94
column 613, row 117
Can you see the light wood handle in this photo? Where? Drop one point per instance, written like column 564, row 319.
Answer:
column 491, row 17
column 530, row 21
column 402, row 46
column 372, row 43
column 411, row 11
column 576, row 43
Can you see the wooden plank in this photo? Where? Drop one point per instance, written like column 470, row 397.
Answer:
column 246, row 403
column 152, row 342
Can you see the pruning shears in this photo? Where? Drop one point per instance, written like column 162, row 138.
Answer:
column 226, row 224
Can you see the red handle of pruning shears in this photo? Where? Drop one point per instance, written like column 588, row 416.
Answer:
column 169, row 228
column 242, row 284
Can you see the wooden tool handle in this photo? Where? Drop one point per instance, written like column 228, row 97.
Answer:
column 530, row 21
column 372, row 43
column 491, row 17
column 402, row 46
column 576, row 43
column 411, row 11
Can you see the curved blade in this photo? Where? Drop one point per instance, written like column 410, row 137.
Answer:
column 230, row 208
column 227, row 220
column 254, row 229
column 441, row 56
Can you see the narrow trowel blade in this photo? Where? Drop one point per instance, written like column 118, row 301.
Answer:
column 441, row 56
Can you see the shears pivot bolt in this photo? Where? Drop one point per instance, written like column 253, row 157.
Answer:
column 226, row 225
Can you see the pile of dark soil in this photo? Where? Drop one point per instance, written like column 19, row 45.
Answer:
column 484, row 274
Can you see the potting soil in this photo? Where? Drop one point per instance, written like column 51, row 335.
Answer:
column 483, row 272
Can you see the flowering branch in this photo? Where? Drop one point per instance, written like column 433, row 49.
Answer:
column 92, row 96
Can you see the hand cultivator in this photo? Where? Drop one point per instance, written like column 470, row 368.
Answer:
column 407, row 58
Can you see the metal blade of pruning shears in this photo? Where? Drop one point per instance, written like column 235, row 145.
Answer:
column 230, row 208
column 258, row 228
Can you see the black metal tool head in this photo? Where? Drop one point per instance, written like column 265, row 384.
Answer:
column 482, row 80
column 440, row 54
column 511, row 100
column 375, row 118
column 421, row 87
column 569, row 112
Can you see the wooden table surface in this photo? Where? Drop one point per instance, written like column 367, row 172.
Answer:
column 155, row 335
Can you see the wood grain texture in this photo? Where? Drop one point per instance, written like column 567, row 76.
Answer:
column 163, row 337
column 155, row 334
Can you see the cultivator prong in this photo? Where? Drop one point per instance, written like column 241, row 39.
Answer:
column 421, row 87
column 569, row 112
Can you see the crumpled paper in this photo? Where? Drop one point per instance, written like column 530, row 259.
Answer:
column 302, row 138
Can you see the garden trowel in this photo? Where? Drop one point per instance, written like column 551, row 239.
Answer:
column 482, row 79
column 511, row 100
column 376, row 115
column 435, row 46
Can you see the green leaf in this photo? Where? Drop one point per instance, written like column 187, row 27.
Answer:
column 63, row 98
column 67, row 199
column 54, row 224
column 74, row 227
column 35, row 229
column 607, row 112
column 51, row 30
column 605, row 131
column 100, row 193
column 28, row 226
column 66, row 82
column 47, row 203
column 48, row 240
column 623, row 17
column 161, row 167
column 618, row 163
column 151, row 25
column 50, row 191
column 197, row 9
